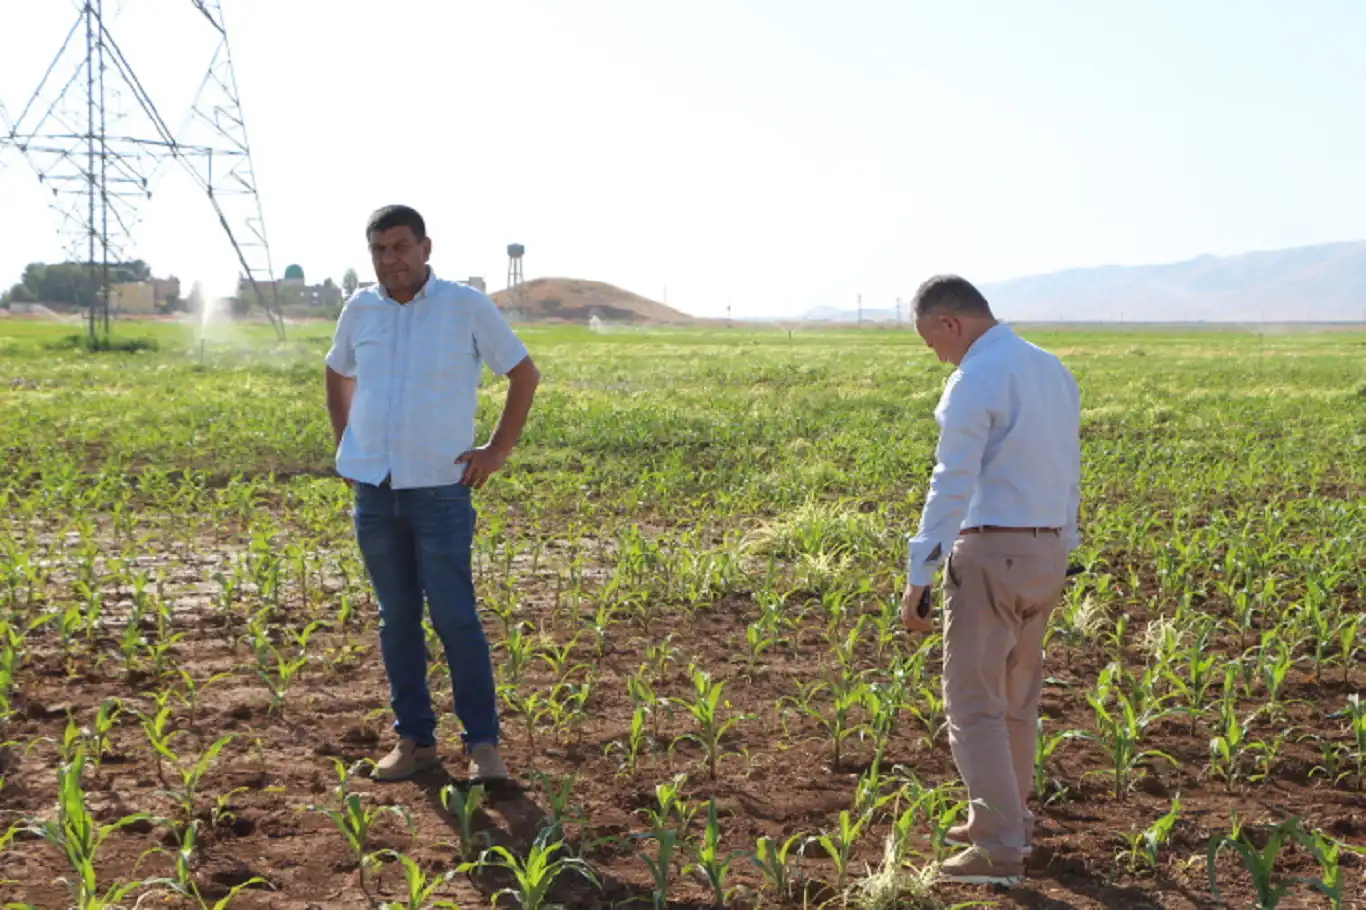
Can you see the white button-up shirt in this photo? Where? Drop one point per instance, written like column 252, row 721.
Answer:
column 1009, row 449
column 417, row 367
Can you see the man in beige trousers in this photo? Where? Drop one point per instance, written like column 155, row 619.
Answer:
column 1002, row 516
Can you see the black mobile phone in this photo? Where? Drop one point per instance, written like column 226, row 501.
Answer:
column 923, row 608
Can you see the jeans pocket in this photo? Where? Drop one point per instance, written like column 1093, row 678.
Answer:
column 451, row 492
column 363, row 497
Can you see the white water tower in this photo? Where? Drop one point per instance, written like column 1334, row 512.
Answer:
column 515, row 253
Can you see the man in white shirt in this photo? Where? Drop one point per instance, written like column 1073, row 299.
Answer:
column 403, row 376
column 1002, row 514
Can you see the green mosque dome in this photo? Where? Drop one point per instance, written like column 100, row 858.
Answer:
column 294, row 273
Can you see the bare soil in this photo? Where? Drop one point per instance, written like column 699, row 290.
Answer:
column 280, row 763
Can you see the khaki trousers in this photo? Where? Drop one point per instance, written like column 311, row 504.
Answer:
column 1000, row 589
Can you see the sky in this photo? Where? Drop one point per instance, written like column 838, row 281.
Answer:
column 770, row 156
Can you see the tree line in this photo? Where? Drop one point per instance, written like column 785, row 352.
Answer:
column 78, row 284
column 74, row 283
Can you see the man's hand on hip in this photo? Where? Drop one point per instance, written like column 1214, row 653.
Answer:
column 916, row 609
column 480, row 464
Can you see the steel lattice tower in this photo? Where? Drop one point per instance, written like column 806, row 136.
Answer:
column 94, row 137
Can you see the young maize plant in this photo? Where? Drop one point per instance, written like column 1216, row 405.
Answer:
column 76, row 834
column 636, row 739
column 706, row 710
column 1356, row 714
column 353, row 820
column 1260, row 864
column 777, row 863
column 708, row 859
column 1327, row 852
column 1120, row 733
column 420, row 890
column 1048, row 790
column 182, row 882
column 660, row 865
column 847, row 693
column 534, row 874
column 839, row 844
column 191, row 774
column 464, row 804
column 1142, row 847
column 673, row 810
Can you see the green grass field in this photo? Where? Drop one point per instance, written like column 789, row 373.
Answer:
column 699, row 527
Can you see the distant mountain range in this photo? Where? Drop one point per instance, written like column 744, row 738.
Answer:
column 1324, row 283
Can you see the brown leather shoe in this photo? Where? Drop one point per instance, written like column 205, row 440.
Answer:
column 486, row 764
column 974, row 867
column 405, row 760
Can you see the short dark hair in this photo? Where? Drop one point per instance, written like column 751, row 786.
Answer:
column 952, row 293
column 392, row 216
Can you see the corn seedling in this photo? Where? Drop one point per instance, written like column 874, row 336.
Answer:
column 1260, row 864
column 97, row 732
column 419, row 889
column 706, row 710
column 464, row 805
column 636, row 739
column 1144, row 846
column 182, row 881
column 708, row 858
column 1045, row 745
column 839, row 844
column 846, row 694
column 672, row 809
column 660, row 865
column 1356, row 712
column 155, row 727
column 535, row 874
column 75, row 832
column 353, row 820
column 533, row 706
column 1327, row 852
column 777, row 863
column 277, row 671
column 1120, row 734
column 191, row 775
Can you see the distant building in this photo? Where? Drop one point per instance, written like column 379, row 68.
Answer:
column 164, row 289
column 136, row 298
column 292, row 290
column 142, row 298
column 477, row 283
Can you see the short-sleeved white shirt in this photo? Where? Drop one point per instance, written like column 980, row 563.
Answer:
column 417, row 367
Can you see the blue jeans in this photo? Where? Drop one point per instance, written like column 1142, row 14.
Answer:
column 416, row 544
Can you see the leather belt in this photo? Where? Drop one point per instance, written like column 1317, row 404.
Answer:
column 998, row 529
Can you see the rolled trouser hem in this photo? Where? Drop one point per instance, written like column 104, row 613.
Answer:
column 425, row 740
column 472, row 741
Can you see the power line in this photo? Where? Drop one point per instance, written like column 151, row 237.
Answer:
column 100, row 169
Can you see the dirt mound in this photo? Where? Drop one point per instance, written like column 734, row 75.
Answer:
column 572, row 300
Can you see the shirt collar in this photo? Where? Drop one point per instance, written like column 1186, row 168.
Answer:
column 422, row 292
column 986, row 339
